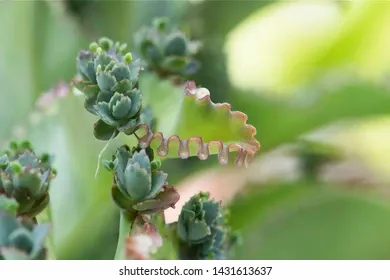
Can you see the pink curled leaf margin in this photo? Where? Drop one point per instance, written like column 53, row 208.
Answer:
column 245, row 150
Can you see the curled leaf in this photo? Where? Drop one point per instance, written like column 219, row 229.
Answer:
column 200, row 127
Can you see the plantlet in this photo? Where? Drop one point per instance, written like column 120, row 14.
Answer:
column 122, row 90
column 26, row 178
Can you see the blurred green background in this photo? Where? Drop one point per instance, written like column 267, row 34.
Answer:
column 312, row 76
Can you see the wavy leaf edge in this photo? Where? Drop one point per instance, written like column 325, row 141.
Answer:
column 245, row 150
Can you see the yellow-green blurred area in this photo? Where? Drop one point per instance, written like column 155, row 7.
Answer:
column 312, row 76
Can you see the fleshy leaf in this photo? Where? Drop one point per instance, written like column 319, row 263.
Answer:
column 103, row 131
column 120, row 199
column 9, row 205
column 191, row 124
column 137, row 181
column 165, row 199
column 198, row 231
column 159, row 179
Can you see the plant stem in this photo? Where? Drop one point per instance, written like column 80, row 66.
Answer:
column 125, row 225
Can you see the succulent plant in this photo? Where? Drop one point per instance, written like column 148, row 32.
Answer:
column 21, row 239
column 26, row 177
column 202, row 229
column 9, row 205
column 166, row 50
column 138, row 184
column 110, row 85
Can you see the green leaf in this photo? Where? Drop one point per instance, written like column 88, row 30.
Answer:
column 137, row 181
column 103, row 131
column 11, row 253
column 176, row 45
column 306, row 220
column 9, row 205
column 88, row 207
column 120, row 199
column 350, row 98
column 38, row 55
column 176, row 63
column 191, row 124
column 159, row 179
column 351, row 39
column 197, row 230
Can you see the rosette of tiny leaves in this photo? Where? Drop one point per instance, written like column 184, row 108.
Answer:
column 166, row 50
column 110, row 85
column 26, row 177
column 138, row 184
column 202, row 229
column 21, row 239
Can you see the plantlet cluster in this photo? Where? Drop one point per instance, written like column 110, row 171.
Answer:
column 24, row 193
column 110, row 79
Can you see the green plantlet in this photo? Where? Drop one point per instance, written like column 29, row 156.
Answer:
column 110, row 84
column 202, row 229
column 21, row 239
column 109, row 77
column 137, row 186
column 25, row 177
column 166, row 50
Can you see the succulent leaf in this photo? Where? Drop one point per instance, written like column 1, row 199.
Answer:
column 105, row 81
column 103, row 131
column 193, row 125
column 21, row 239
column 122, row 200
column 159, row 179
column 9, row 205
column 142, row 158
column 198, row 231
column 85, row 65
column 120, row 72
column 175, row 45
column 165, row 199
column 137, row 181
column 122, row 108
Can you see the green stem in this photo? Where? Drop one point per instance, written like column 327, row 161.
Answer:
column 125, row 225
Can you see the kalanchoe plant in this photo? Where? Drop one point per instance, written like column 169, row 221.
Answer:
column 110, row 81
column 21, row 238
column 110, row 85
column 202, row 229
column 26, row 177
column 110, row 78
column 165, row 50
column 138, row 184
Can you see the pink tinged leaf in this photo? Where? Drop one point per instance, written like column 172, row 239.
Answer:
column 217, row 130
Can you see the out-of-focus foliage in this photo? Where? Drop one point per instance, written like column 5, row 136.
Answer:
column 166, row 50
column 26, row 177
column 329, row 60
column 21, row 239
column 202, row 229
